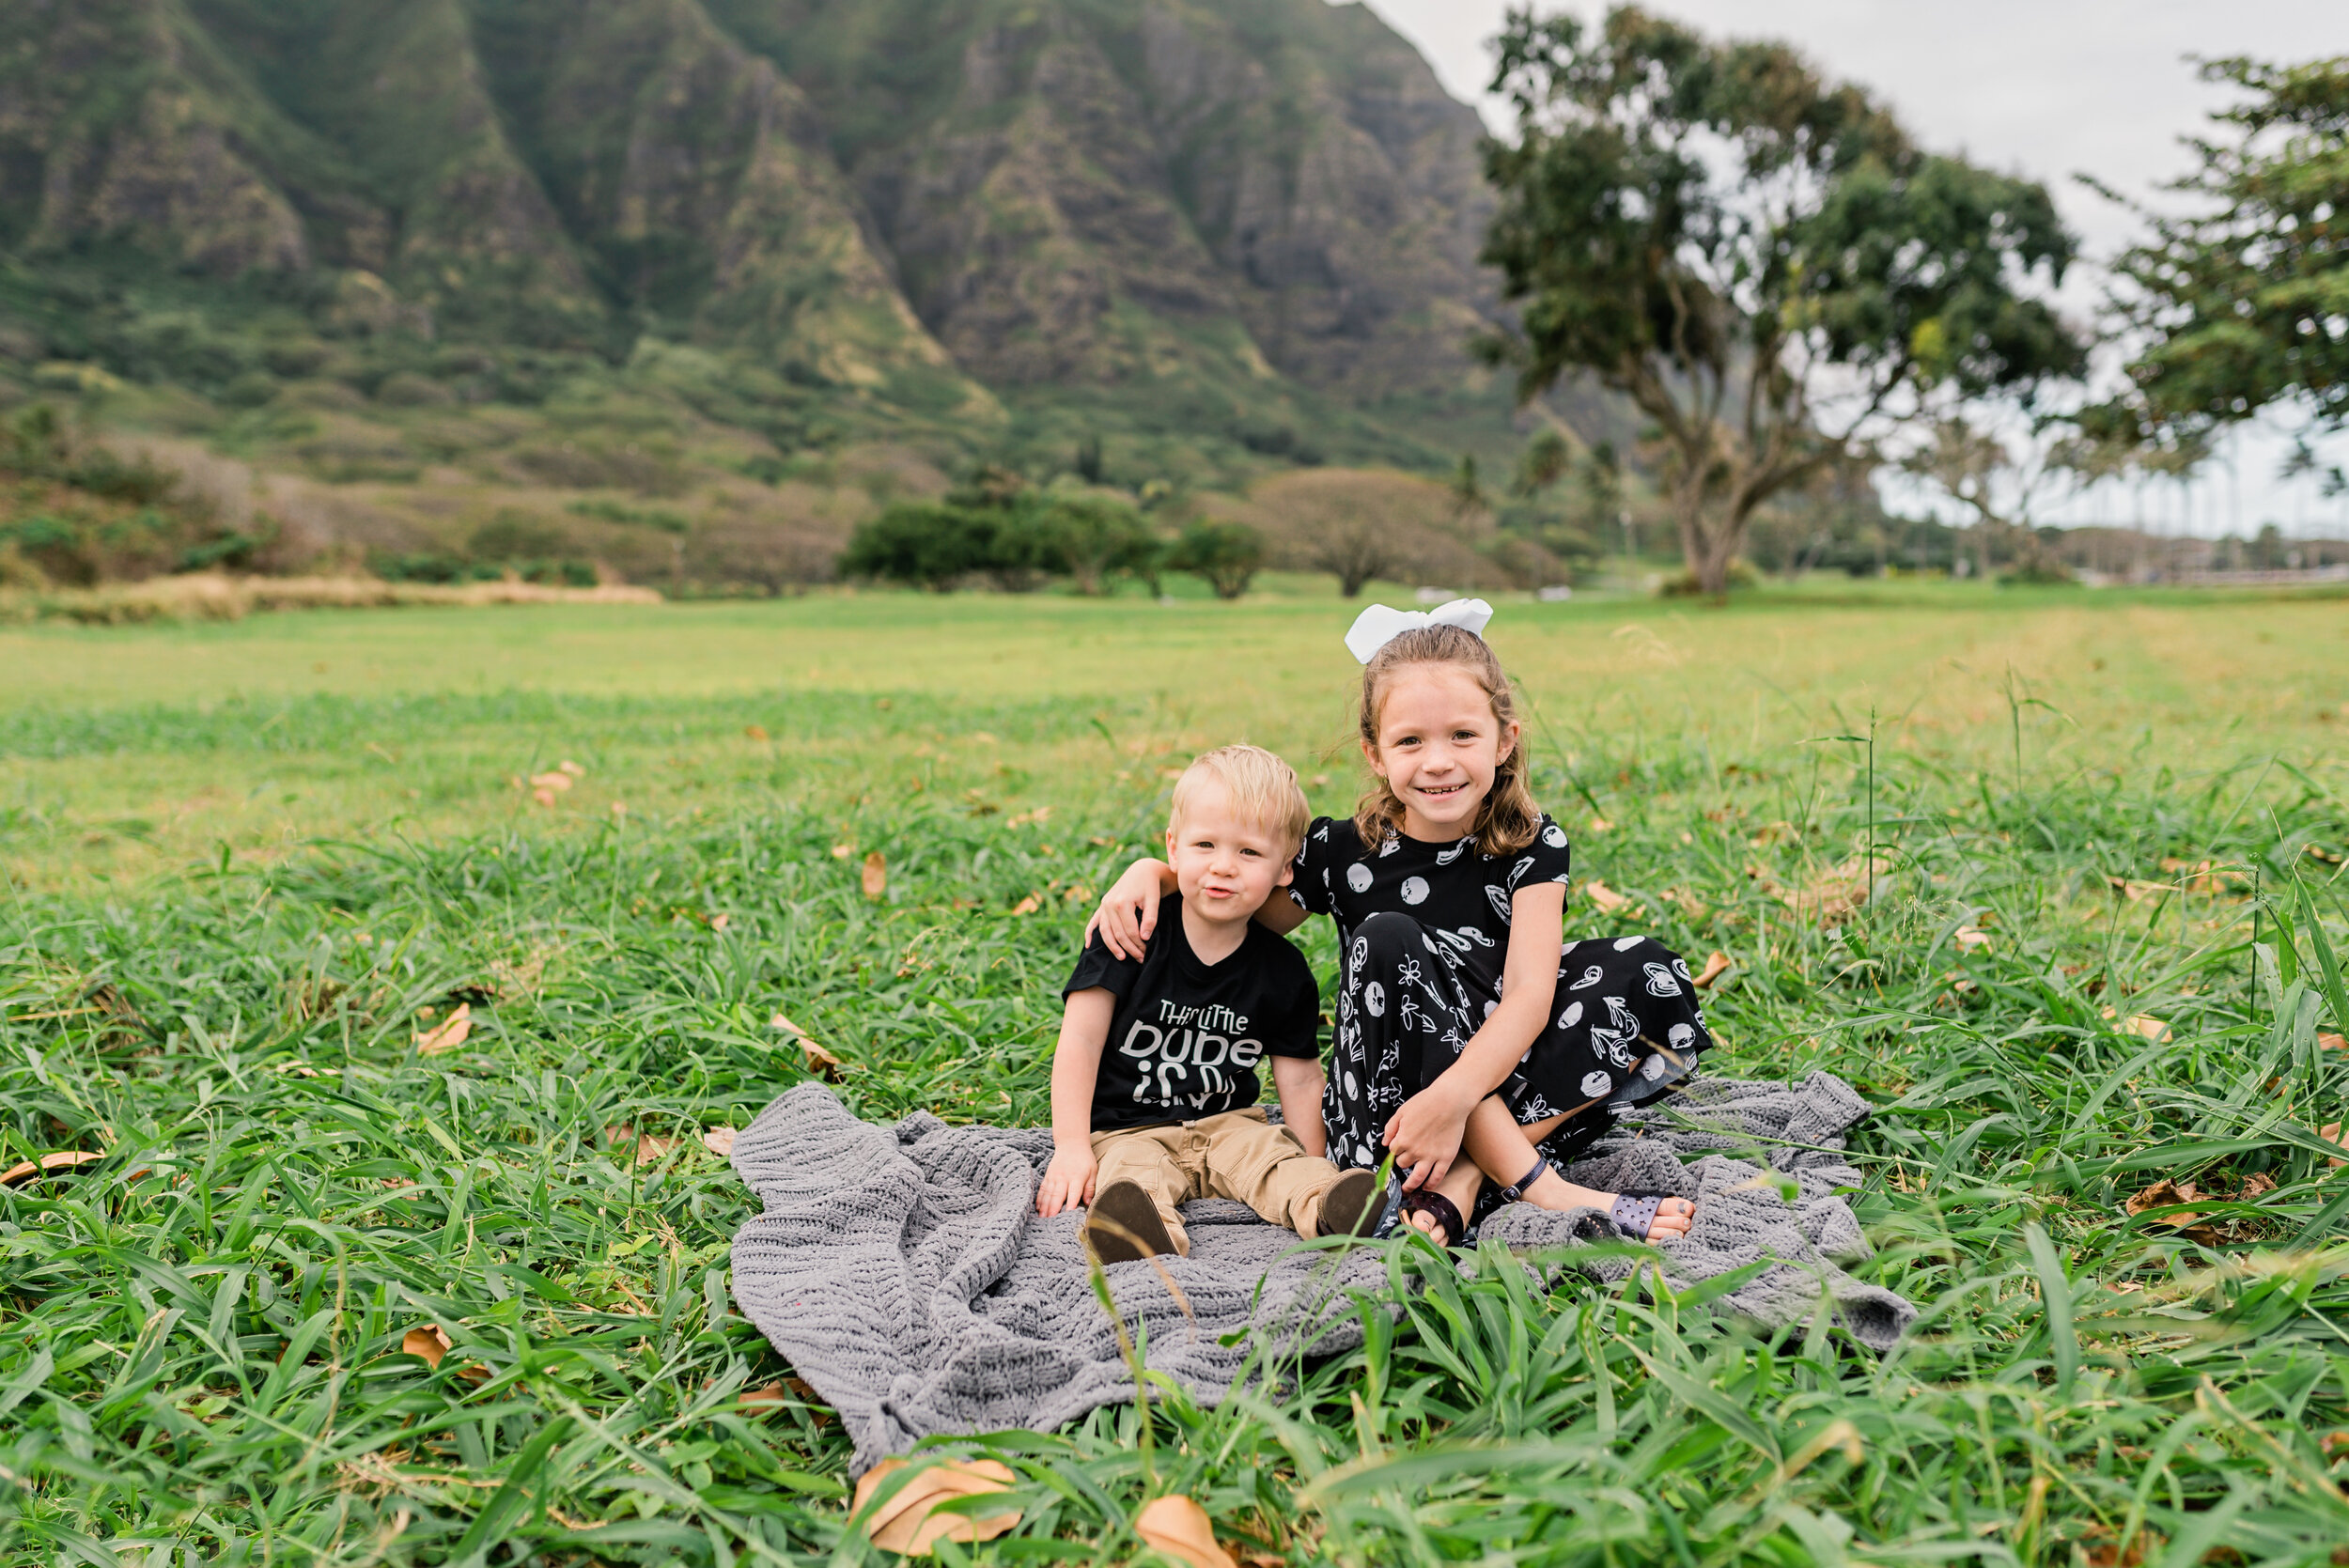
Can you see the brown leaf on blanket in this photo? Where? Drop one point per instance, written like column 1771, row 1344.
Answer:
column 48, row 1165
column 906, row 1522
column 1716, row 965
column 1176, row 1526
column 1606, row 898
column 448, row 1034
column 874, row 878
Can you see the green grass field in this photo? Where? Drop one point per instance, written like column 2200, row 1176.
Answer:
column 246, row 864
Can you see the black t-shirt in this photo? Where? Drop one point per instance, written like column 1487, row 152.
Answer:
column 1460, row 895
column 1187, row 1035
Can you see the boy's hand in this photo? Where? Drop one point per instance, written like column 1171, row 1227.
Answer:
column 1130, row 910
column 1068, row 1182
column 1424, row 1135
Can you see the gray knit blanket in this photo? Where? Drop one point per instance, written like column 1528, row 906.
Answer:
column 904, row 1274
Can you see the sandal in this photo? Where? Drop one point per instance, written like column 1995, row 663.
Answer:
column 1124, row 1225
column 1439, row 1208
column 1634, row 1213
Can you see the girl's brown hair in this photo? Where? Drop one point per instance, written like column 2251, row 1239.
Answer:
column 1508, row 818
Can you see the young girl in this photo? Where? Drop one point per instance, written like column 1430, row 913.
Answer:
column 1465, row 1021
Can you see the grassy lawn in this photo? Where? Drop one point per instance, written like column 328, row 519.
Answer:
column 247, row 865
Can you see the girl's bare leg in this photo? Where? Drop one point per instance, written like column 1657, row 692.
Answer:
column 1495, row 1142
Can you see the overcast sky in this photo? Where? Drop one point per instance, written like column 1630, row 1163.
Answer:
column 2044, row 87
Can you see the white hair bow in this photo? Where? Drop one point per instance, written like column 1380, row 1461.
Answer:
column 1381, row 624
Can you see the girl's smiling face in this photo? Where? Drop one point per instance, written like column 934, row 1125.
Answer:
column 1439, row 747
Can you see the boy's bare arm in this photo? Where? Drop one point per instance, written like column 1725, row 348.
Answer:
column 1085, row 1030
column 1299, row 1081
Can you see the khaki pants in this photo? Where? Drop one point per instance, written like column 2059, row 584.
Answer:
column 1235, row 1155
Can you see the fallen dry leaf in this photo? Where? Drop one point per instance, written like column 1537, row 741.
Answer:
column 2256, row 1185
column 648, row 1148
column 719, row 922
column 1028, row 906
column 543, row 796
column 1716, row 965
column 2330, row 1133
column 1178, row 1527
column 2143, row 1025
column 842, row 851
column 1835, row 893
column 819, row 1061
column 46, row 1165
column 574, row 770
column 2186, row 1222
column 756, row 732
column 906, row 1522
column 875, row 877
column 2334, row 1442
column 1600, row 825
column 450, row 1034
column 2333, row 1042
column 772, row 1395
column 1027, row 818
column 1607, row 898
column 427, row 1343
column 719, row 1141
column 1971, row 940
column 555, row 780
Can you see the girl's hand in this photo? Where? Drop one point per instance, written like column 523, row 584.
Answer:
column 1068, row 1182
column 1424, row 1135
column 1130, row 910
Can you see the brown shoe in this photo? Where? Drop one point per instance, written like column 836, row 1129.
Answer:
column 1124, row 1225
column 1351, row 1206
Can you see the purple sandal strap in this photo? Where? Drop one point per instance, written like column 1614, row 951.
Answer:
column 1634, row 1212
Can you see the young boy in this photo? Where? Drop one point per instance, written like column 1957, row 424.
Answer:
column 1153, row 1081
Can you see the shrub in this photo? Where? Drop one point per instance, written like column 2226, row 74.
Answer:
column 927, row 544
column 1089, row 538
column 1683, row 583
column 1227, row 555
column 1359, row 524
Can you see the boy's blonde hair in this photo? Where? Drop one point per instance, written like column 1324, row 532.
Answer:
column 1262, row 787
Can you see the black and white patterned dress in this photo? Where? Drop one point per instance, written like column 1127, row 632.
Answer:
column 1423, row 930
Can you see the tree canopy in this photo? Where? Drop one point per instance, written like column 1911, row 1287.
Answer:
column 1761, row 260
column 2244, row 303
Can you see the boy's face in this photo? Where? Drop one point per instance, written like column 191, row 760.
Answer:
column 1225, row 863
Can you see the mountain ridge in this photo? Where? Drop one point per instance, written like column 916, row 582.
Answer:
column 1062, row 192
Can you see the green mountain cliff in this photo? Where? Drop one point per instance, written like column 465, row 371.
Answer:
column 584, row 242
column 1066, row 192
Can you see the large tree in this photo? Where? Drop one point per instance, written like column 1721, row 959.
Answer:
column 2244, row 300
column 1758, row 259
